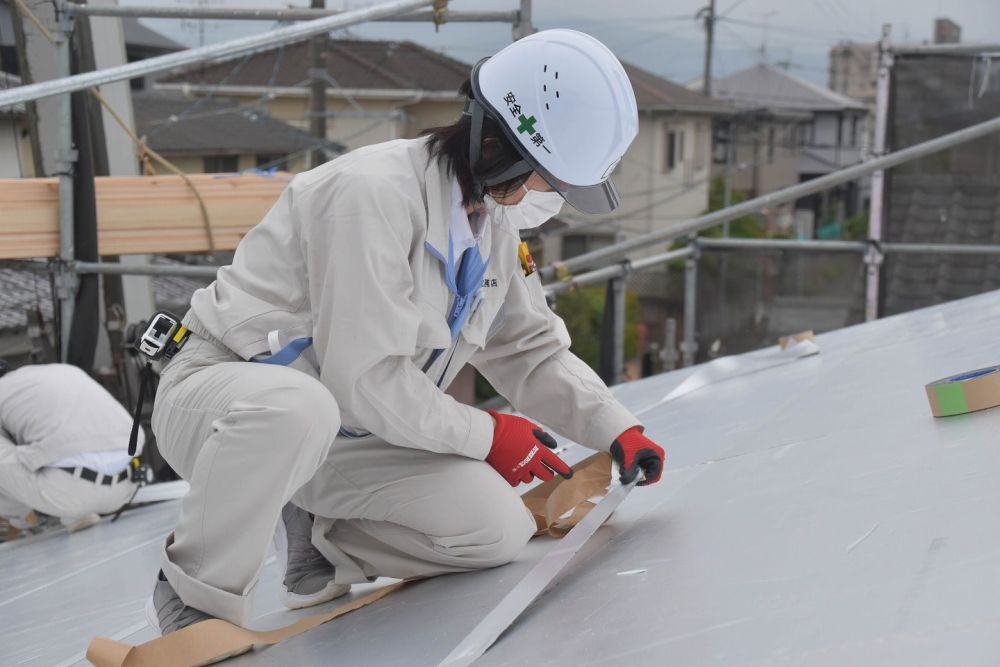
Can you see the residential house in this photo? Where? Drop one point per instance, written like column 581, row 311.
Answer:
column 216, row 135
column 378, row 90
column 832, row 138
column 141, row 43
column 664, row 177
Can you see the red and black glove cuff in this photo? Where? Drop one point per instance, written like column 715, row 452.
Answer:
column 633, row 451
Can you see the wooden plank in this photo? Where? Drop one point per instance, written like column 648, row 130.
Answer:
column 138, row 214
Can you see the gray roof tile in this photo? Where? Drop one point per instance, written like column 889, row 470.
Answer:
column 767, row 86
column 174, row 124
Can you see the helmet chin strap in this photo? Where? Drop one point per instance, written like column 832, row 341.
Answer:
column 474, row 109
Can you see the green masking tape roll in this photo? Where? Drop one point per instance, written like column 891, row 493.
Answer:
column 966, row 392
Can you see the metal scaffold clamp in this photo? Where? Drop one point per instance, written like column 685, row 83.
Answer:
column 627, row 269
column 439, row 11
column 564, row 275
column 875, row 254
column 66, row 278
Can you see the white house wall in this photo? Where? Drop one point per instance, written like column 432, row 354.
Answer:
column 822, row 155
column 652, row 197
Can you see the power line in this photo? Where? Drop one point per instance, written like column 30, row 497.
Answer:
column 731, row 8
column 793, row 29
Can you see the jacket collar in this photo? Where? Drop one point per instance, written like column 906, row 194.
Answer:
column 438, row 186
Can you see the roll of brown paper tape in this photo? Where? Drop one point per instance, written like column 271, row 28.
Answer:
column 966, row 392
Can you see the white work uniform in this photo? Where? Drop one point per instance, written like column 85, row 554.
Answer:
column 55, row 420
column 344, row 290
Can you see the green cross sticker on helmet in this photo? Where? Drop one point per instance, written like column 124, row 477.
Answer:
column 565, row 102
column 527, row 124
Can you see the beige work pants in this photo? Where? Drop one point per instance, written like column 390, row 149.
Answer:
column 53, row 491
column 250, row 437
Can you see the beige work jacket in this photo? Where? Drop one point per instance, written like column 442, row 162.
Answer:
column 350, row 255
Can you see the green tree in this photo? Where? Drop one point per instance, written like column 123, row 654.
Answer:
column 747, row 226
column 583, row 310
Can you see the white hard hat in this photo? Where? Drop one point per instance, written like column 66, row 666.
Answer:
column 565, row 102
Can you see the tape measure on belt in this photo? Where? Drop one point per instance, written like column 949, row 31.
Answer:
column 966, row 392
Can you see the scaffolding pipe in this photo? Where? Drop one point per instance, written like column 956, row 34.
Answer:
column 66, row 283
column 606, row 254
column 292, row 14
column 782, row 244
column 616, row 270
column 944, row 49
column 941, row 248
column 873, row 260
column 606, row 273
column 618, row 330
column 522, row 25
column 222, row 51
column 689, row 346
column 147, row 269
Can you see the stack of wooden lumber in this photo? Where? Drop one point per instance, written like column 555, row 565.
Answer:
column 138, row 214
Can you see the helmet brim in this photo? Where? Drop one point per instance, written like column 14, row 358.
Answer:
column 588, row 199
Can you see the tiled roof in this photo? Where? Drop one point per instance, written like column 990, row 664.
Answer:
column 356, row 64
column 174, row 124
column 655, row 92
column 384, row 65
column 767, row 86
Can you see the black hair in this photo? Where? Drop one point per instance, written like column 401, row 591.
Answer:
column 451, row 144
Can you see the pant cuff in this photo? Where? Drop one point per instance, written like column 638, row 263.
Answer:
column 209, row 599
column 346, row 569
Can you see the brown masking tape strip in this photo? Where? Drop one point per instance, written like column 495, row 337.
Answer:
column 548, row 502
column 210, row 641
column 785, row 341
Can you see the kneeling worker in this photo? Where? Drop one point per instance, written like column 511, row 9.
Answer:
column 309, row 396
column 63, row 446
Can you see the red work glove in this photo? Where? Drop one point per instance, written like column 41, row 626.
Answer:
column 516, row 453
column 633, row 451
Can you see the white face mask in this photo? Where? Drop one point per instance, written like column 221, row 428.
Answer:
column 532, row 211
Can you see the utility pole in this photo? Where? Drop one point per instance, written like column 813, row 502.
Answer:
column 707, row 14
column 317, row 91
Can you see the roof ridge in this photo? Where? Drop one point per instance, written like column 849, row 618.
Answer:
column 817, row 89
column 453, row 63
column 671, row 93
column 364, row 62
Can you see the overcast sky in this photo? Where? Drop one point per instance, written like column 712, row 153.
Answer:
column 663, row 36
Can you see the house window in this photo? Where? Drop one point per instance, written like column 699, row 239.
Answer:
column 854, row 130
column 720, row 142
column 810, row 133
column 272, row 161
column 674, row 150
column 770, row 144
column 220, row 164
